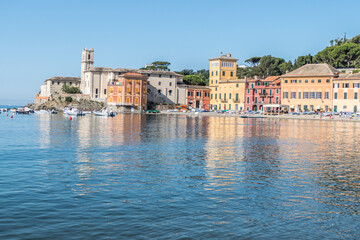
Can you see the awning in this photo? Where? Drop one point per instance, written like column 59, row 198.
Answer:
column 292, row 106
column 271, row 105
column 317, row 107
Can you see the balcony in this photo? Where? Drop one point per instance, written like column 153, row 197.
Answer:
column 224, row 100
column 236, row 100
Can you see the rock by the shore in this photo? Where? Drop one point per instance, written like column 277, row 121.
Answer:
column 84, row 105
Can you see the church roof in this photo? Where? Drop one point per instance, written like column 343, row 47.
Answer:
column 64, row 79
column 317, row 69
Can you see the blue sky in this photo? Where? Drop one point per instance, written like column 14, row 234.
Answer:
column 42, row 39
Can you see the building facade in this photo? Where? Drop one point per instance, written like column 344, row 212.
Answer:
column 128, row 91
column 198, row 97
column 346, row 93
column 227, row 91
column 309, row 88
column 164, row 87
column 263, row 94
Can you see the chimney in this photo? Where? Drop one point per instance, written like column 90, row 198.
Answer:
column 229, row 54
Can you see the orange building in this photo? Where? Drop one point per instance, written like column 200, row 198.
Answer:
column 346, row 93
column 309, row 88
column 129, row 91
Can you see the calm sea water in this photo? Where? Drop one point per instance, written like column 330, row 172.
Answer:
column 155, row 177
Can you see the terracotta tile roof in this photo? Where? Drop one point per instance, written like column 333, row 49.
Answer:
column 317, row 69
column 224, row 57
column 271, row 78
column 349, row 76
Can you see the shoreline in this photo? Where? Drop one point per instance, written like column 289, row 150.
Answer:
column 285, row 116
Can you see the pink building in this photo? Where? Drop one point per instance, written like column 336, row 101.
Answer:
column 263, row 94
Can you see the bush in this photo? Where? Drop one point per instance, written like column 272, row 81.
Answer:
column 71, row 90
column 194, row 80
column 356, row 71
column 68, row 99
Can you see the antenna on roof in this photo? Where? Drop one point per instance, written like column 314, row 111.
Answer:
column 221, row 53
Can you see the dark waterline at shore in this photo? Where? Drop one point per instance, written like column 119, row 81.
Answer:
column 146, row 176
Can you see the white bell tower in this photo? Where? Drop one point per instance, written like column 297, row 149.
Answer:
column 87, row 62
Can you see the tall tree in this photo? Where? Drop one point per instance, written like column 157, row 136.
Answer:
column 254, row 61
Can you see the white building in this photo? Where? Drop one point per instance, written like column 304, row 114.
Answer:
column 163, row 86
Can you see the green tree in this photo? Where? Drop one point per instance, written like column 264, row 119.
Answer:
column 285, row 67
column 345, row 55
column 185, row 72
column 71, row 90
column 269, row 66
column 194, row 80
column 302, row 60
column 254, row 61
column 159, row 66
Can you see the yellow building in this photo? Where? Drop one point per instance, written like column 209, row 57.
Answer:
column 227, row 91
column 309, row 88
column 346, row 93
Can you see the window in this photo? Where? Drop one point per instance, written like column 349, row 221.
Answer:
column 355, row 95
column 319, row 80
column 70, row 83
column 223, row 73
column 170, row 84
column 212, row 81
column 293, row 95
column 224, row 96
column 189, row 94
column 293, row 81
column 159, row 91
column 327, row 80
column 104, row 91
column 198, row 94
column 312, row 95
column 170, row 76
column 305, row 95
column 255, row 99
column 212, row 73
column 356, row 85
column 219, row 95
column 170, row 91
column 237, row 85
column 305, row 107
column 336, row 85
column 96, row 91
column 345, row 95
column 159, row 75
column 248, row 100
column 58, row 83
column 248, row 91
column 345, row 107
column 299, row 94
column 216, row 89
column 229, row 95
column 345, row 85
column 211, row 96
column 159, row 83
column 318, row 95
column 216, row 73
column 312, row 80
column 277, row 91
column 237, row 97
column 285, row 95
column 306, row 81
column 286, row 81
column 252, row 85
column 52, row 82
column 300, row 81
column 231, row 74
column 148, row 75
column 327, row 94
column 215, row 95
column 336, row 95
column 216, row 81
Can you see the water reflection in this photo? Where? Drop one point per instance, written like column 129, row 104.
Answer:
column 245, row 178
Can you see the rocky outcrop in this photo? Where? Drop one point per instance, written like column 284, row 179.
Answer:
column 59, row 105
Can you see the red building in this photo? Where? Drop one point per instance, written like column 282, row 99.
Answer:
column 263, row 94
column 198, row 97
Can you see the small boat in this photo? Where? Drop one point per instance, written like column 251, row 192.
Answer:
column 75, row 112
column 3, row 110
column 22, row 111
column 41, row 112
column 100, row 113
column 244, row 116
column 53, row 111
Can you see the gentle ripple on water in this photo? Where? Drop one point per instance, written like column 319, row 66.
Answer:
column 179, row 177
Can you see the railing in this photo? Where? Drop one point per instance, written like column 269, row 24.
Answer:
column 224, row 100
column 236, row 100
